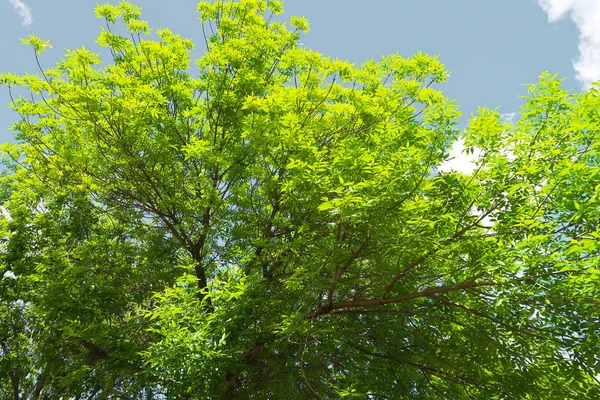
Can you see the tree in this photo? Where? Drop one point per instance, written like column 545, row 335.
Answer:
column 277, row 226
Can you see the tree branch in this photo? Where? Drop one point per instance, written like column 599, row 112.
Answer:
column 14, row 379
column 382, row 301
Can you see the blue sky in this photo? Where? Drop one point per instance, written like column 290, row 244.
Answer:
column 491, row 47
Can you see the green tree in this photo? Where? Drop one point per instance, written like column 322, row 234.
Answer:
column 277, row 226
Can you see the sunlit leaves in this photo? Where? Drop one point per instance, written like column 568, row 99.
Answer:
column 278, row 224
column 37, row 44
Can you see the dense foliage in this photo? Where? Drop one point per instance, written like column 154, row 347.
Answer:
column 276, row 225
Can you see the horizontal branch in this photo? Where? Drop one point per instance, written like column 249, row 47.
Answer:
column 382, row 301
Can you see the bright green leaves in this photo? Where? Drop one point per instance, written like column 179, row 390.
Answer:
column 421, row 66
column 187, row 338
column 37, row 44
column 300, row 23
column 127, row 11
column 115, row 42
column 137, row 26
column 108, row 11
column 485, row 131
column 276, row 226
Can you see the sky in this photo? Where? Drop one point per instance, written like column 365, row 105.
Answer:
column 491, row 47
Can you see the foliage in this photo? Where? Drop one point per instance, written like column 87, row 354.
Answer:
column 277, row 225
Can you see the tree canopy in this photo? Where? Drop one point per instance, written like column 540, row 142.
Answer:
column 275, row 224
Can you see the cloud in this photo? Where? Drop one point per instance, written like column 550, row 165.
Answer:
column 459, row 161
column 24, row 12
column 586, row 15
column 508, row 117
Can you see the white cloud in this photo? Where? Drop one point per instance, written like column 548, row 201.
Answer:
column 508, row 117
column 459, row 161
column 586, row 15
column 24, row 12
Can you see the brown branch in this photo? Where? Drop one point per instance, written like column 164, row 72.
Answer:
column 37, row 390
column 14, row 379
column 382, row 301
column 417, row 261
column 268, row 233
column 341, row 271
column 407, row 268
column 197, row 248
